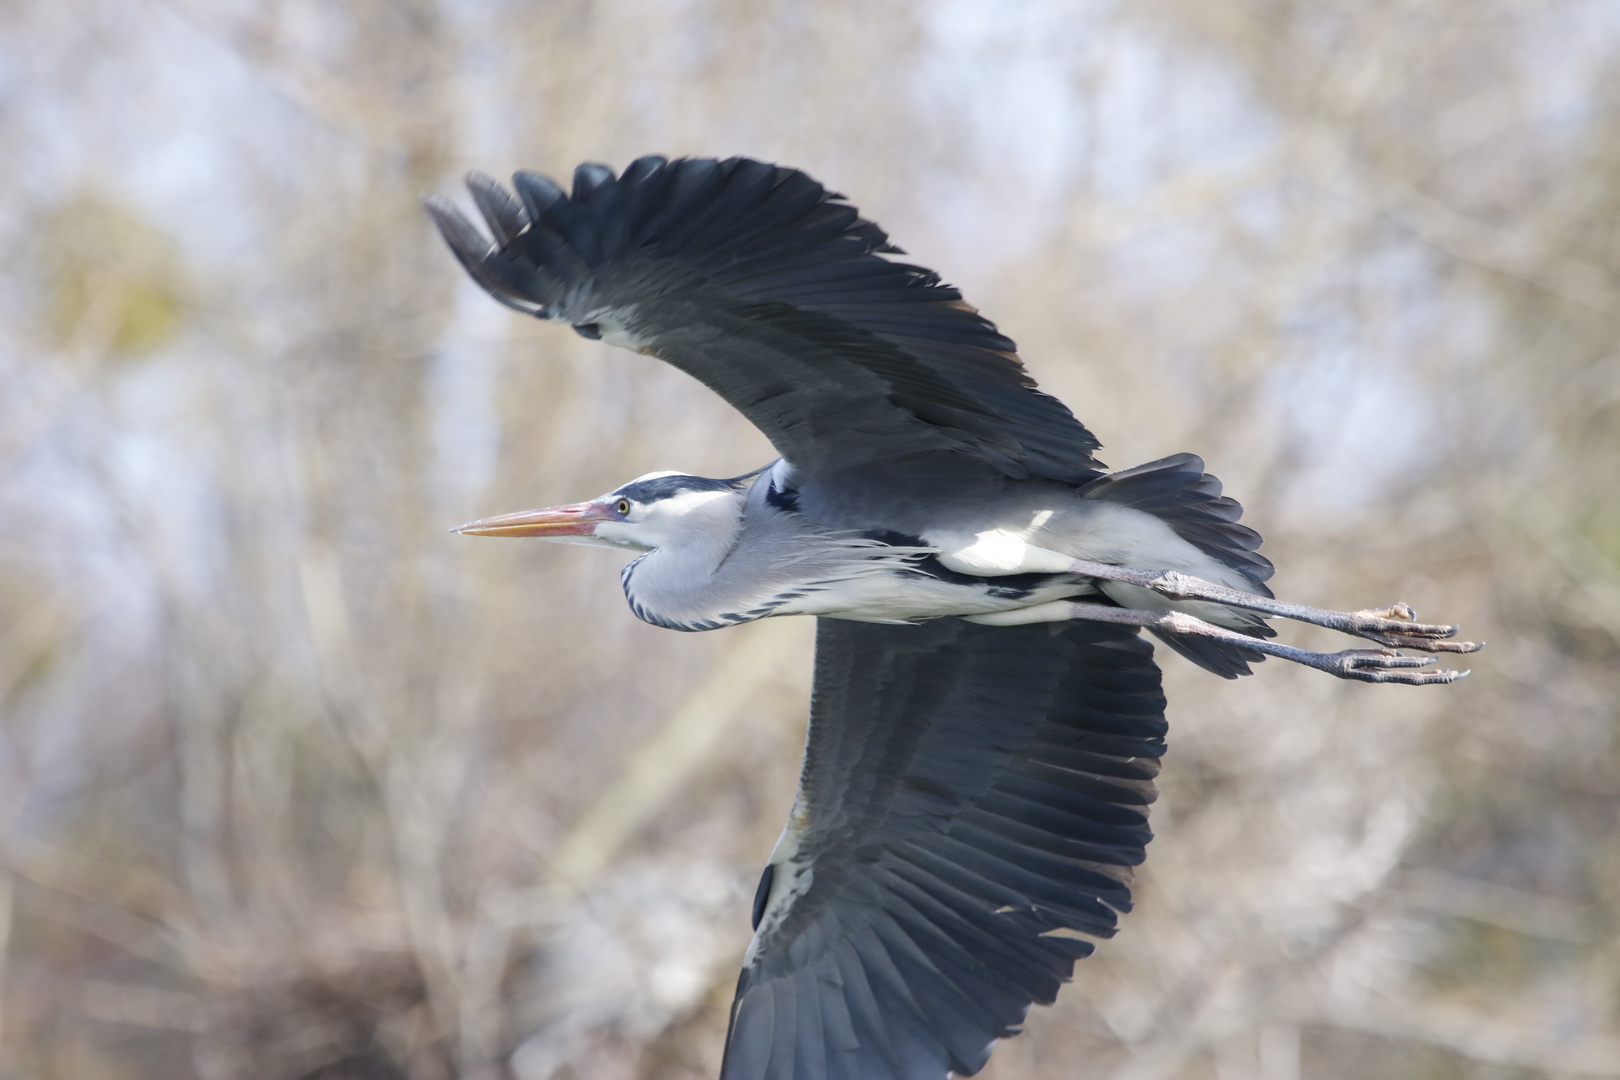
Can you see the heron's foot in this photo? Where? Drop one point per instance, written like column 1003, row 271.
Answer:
column 1394, row 627
column 1374, row 665
column 1397, row 627
column 1363, row 665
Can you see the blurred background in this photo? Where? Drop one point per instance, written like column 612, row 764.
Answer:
column 296, row 784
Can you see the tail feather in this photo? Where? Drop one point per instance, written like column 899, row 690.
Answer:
column 1180, row 493
column 1218, row 657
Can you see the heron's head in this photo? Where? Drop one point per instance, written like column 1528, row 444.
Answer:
column 659, row 510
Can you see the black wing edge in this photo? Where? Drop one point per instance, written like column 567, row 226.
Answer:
column 763, row 235
column 978, row 797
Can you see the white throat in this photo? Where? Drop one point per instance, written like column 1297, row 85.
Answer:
column 700, row 527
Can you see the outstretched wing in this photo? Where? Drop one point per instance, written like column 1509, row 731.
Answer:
column 972, row 796
column 772, row 291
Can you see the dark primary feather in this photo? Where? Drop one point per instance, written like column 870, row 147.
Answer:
column 773, row 292
column 973, row 796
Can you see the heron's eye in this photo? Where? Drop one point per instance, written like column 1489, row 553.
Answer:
column 622, row 507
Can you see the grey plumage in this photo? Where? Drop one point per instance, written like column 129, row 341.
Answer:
column 986, row 722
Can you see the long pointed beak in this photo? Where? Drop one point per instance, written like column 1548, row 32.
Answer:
column 575, row 519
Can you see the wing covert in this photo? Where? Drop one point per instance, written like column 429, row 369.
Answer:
column 773, row 292
column 971, row 798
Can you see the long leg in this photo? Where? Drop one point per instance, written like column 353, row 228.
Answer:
column 1366, row 665
column 1395, row 626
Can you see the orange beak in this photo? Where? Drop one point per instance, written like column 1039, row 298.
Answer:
column 575, row 519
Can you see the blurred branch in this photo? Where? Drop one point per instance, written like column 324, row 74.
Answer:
column 146, row 1006
column 45, row 626
column 417, row 831
column 7, row 915
column 366, row 117
column 683, row 746
column 1499, row 1040
column 1511, row 909
column 77, row 899
column 1592, row 573
column 75, row 364
column 1522, row 256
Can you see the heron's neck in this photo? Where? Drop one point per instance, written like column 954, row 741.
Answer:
column 703, row 538
column 679, row 583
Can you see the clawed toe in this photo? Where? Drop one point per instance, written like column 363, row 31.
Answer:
column 1396, row 627
column 1399, row 619
column 1424, row 644
column 1386, row 666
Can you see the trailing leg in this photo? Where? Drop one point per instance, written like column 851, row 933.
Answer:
column 1365, row 665
column 1394, row 627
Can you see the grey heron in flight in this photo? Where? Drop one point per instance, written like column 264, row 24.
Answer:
column 987, row 720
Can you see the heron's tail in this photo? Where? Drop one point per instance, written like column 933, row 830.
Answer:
column 1180, row 493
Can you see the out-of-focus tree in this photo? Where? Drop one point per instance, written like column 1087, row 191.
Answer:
column 296, row 784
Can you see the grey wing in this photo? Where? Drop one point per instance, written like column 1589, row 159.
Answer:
column 773, row 292
column 972, row 797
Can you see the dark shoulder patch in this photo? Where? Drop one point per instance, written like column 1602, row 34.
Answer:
column 784, row 499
